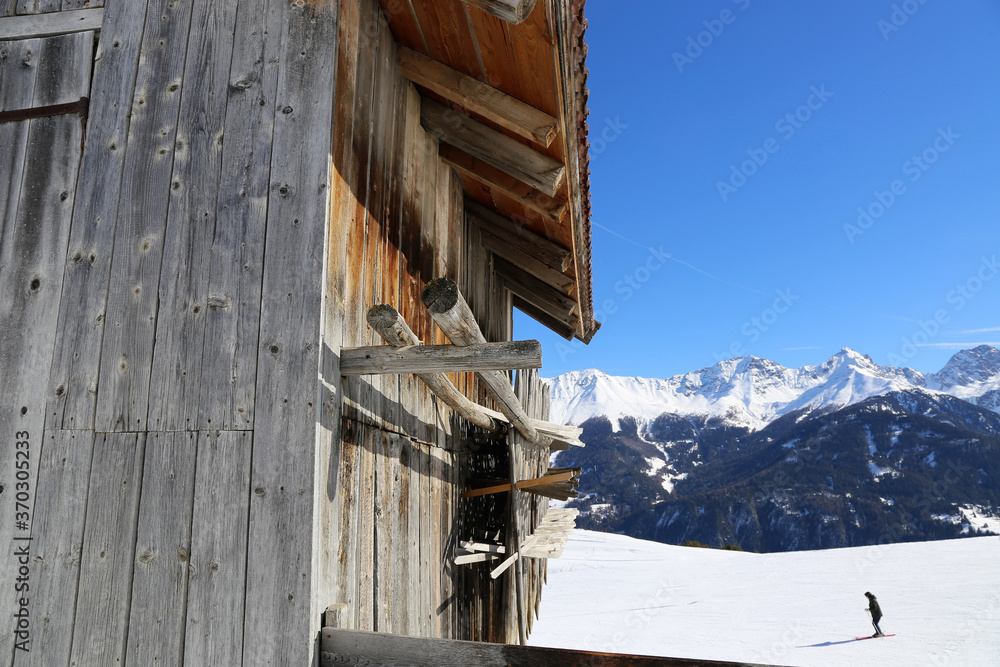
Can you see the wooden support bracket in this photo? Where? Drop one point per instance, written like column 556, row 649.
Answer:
column 450, row 311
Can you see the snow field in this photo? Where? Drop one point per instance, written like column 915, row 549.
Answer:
column 616, row 594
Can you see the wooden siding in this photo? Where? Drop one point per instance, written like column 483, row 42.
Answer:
column 203, row 481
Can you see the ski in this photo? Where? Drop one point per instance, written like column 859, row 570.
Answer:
column 870, row 637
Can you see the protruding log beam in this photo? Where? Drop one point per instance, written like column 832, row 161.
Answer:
column 394, row 331
column 33, row 26
column 450, row 311
column 418, row 359
column 505, row 110
column 511, row 11
column 495, row 148
column 528, row 242
column 488, row 175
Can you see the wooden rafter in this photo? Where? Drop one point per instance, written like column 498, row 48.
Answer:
column 519, row 236
column 552, row 208
column 512, row 11
column 505, row 110
column 493, row 147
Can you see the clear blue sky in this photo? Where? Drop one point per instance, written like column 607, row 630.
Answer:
column 821, row 108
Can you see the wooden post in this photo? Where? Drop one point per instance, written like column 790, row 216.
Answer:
column 394, row 331
column 450, row 311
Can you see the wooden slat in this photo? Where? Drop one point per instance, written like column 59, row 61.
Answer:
column 366, row 531
column 44, row 25
column 446, row 34
column 18, row 66
column 388, row 596
column 512, row 11
column 183, row 301
column 60, row 508
column 108, row 553
column 75, row 368
column 540, row 294
column 476, row 96
column 385, row 359
column 495, row 148
column 519, row 236
column 32, row 255
column 217, row 586
column 499, row 180
column 564, row 329
column 162, row 549
column 132, row 301
column 231, row 308
column 281, row 604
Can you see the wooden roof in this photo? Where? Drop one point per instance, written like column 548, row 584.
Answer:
column 539, row 62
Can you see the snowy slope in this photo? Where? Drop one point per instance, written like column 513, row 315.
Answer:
column 752, row 392
column 617, row 594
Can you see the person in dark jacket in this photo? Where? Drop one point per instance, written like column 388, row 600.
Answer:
column 876, row 611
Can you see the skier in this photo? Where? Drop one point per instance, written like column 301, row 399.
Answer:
column 876, row 612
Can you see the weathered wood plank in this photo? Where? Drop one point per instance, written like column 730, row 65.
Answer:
column 108, row 553
column 345, row 647
column 162, row 550
column 216, row 590
column 177, row 363
column 44, row 25
column 428, row 583
column 366, row 531
column 57, row 538
column 440, row 358
column 512, row 11
column 38, row 6
column 537, row 292
column 76, row 362
column 349, row 490
column 32, row 254
column 232, row 307
column 495, row 148
column 132, row 300
column 282, row 614
column 478, row 97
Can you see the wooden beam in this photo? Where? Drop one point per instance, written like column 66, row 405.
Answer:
column 388, row 359
column 502, row 567
column 450, row 312
column 495, row 105
column 519, row 236
column 493, row 147
column 552, row 208
column 550, row 275
column 564, row 329
column 394, row 331
column 358, row 647
column 541, row 294
column 511, row 11
column 31, row 26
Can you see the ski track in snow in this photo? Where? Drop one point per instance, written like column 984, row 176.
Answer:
column 613, row 593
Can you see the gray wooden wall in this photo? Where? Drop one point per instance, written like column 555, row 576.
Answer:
column 201, row 483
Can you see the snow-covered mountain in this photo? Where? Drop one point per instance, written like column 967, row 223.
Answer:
column 751, row 392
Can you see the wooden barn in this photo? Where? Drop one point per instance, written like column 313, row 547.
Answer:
column 258, row 263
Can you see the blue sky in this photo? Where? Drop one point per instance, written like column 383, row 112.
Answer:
column 788, row 178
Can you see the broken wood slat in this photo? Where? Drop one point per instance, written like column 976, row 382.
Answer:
column 552, row 208
column 495, row 105
column 519, row 236
column 502, row 567
column 493, row 147
column 512, row 11
column 386, row 359
column 394, row 331
column 480, row 546
column 466, row 558
column 53, row 23
column 450, row 312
